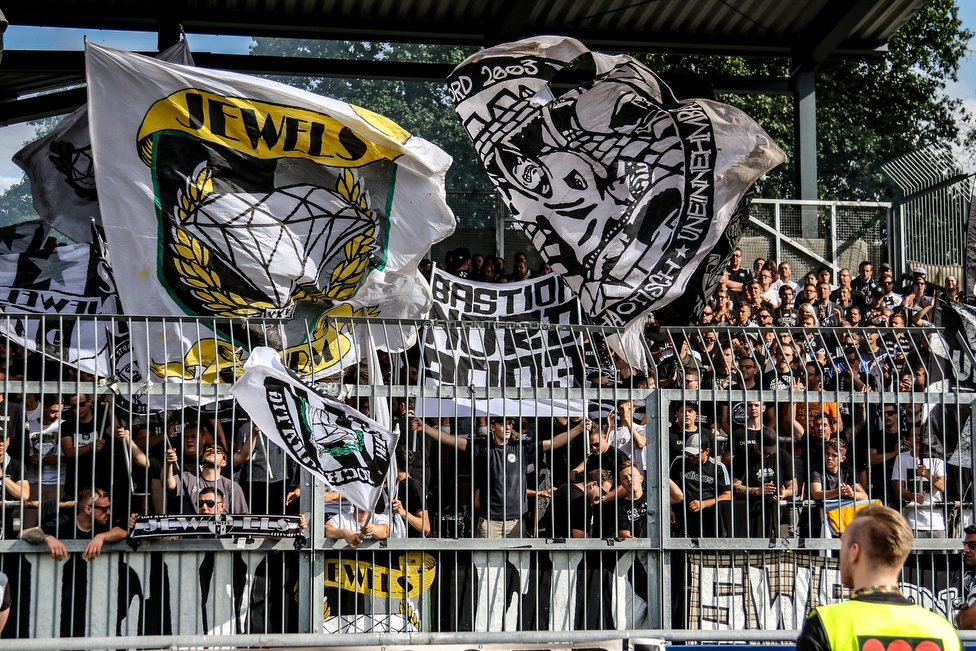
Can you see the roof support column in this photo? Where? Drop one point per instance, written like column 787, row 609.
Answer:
column 805, row 145
column 169, row 33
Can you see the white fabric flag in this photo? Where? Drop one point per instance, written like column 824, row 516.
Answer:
column 229, row 196
column 59, row 166
column 333, row 441
column 632, row 195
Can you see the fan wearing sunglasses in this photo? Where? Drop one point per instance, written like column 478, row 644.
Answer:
column 190, row 485
column 210, row 501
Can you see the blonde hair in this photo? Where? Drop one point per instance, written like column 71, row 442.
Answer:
column 883, row 534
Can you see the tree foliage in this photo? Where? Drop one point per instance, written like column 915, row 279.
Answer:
column 868, row 112
column 422, row 108
column 16, row 203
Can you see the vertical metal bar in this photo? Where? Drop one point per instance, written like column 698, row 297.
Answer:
column 777, row 227
column 499, row 226
column 659, row 508
column 833, row 238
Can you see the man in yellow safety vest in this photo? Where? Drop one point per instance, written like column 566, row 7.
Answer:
column 877, row 617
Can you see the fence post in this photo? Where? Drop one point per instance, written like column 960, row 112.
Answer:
column 658, row 526
column 311, row 572
column 833, row 239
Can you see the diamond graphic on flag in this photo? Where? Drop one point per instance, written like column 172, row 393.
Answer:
column 286, row 239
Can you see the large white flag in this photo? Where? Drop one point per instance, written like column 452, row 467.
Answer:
column 333, row 441
column 228, row 196
column 59, row 166
column 629, row 193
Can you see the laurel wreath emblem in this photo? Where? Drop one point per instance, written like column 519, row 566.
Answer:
column 192, row 259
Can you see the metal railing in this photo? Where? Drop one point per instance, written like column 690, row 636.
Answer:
column 749, row 562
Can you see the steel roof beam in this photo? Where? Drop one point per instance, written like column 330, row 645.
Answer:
column 506, row 25
column 828, row 30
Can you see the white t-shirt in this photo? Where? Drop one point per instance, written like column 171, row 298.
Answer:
column 346, row 518
column 772, row 296
column 623, row 440
column 922, row 517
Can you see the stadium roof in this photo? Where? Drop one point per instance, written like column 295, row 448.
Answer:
column 38, row 83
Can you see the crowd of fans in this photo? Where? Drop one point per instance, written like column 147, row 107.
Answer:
column 844, row 403
column 754, row 463
column 462, row 263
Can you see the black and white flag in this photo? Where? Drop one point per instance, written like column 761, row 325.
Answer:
column 58, row 285
column 333, row 441
column 25, row 236
column 623, row 189
column 62, row 173
column 508, row 343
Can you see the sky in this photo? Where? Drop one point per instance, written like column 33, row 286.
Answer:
column 965, row 88
column 12, row 138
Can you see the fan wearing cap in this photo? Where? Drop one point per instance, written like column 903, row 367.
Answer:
column 915, row 293
column 769, row 479
column 705, row 484
column 502, row 466
column 189, row 485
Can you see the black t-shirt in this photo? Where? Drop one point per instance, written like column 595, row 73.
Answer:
column 568, row 511
column 812, row 457
column 776, row 380
column 14, row 428
column 777, row 468
column 765, row 513
column 632, row 515
column 14, row 469
column 740, row 444
column 740, row 275
column 829, row 481
column 676, row 439
column 784, row 317
column 411, row 495
column 879, row 475
column 699, row 481
column 81, row 468
column 501, row 473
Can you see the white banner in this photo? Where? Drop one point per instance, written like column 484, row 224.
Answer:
column 508, row 342
column 62, row 175
column 70, row 281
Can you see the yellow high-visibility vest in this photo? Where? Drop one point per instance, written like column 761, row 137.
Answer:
column 870, row 626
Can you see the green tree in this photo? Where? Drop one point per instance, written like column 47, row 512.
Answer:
column 868, row 112
column 422, row 108
column 16, row 203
